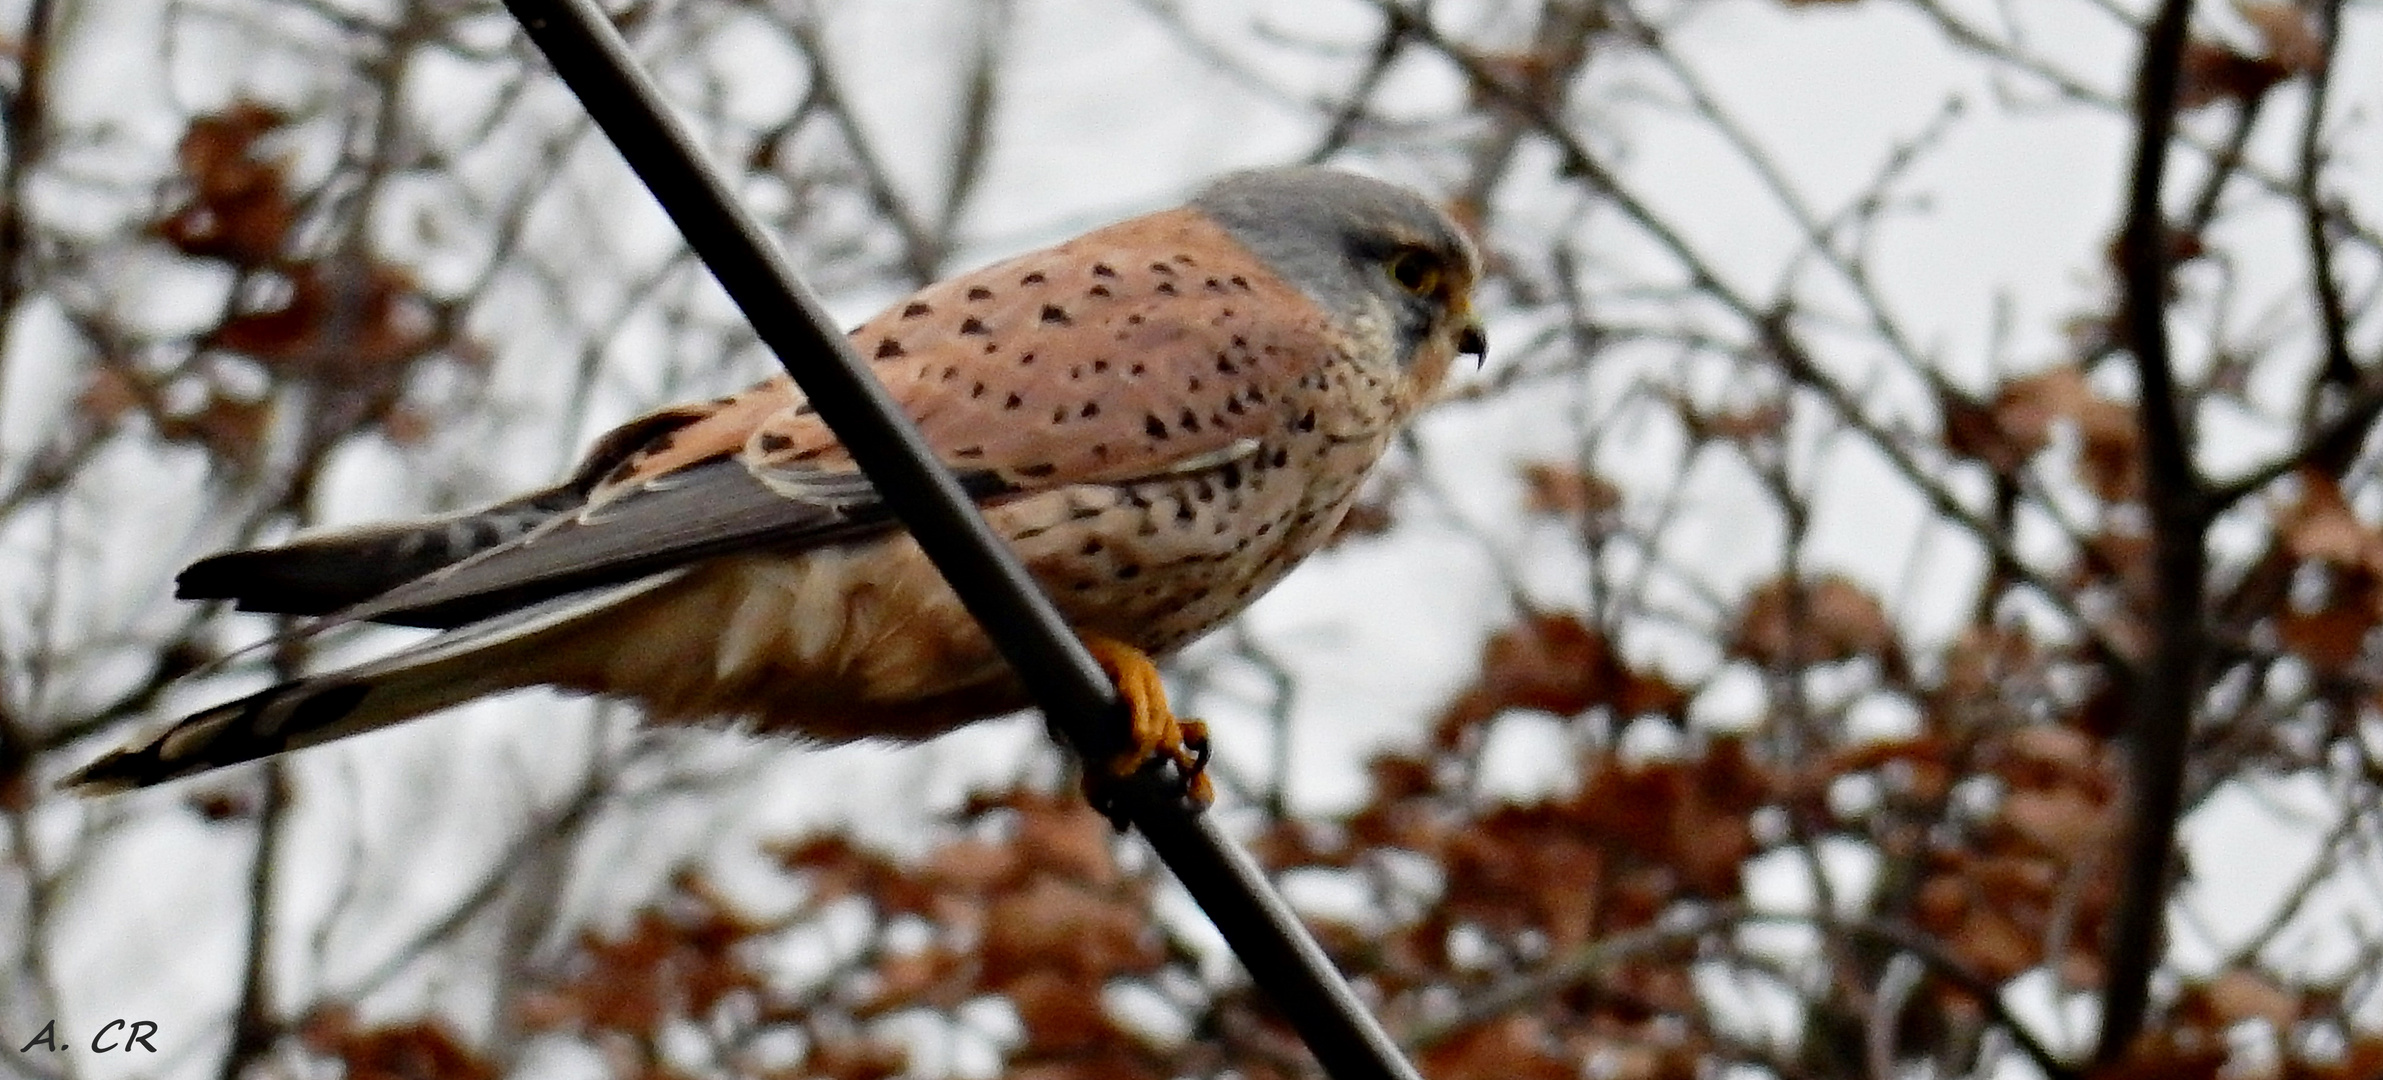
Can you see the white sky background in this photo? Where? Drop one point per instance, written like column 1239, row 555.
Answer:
column 1104, row 113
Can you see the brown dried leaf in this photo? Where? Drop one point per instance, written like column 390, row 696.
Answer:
column 2109, row 451
column 351, row 328
column 856, row 1059
column 1973, row 429
column 2329, row 638
column 2323, row 528
column 1554, row 663
column 2025, row 410
column 1052, row 924
column 232, row 430
column 1061, row 1015
column 2167, row 1054
column 2238, row 995
column 1828, row 620
column 240, row 209
column 2213, row 72
column 2285, row 29
column 2061, row 822
column 1508, row 1048
column 398, row 1052
column 1068, row 839
column 110, row 393
column 1567, row 491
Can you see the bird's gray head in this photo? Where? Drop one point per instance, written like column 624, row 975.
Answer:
column 1367, row 251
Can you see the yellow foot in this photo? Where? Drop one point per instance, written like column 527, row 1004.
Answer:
column 1157, row 734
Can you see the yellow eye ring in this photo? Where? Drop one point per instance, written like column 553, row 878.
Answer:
column 1415, row 271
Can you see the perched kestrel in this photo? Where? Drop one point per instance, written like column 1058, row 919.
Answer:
column 1161, row 417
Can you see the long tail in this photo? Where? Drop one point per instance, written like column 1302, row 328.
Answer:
column 447, row 670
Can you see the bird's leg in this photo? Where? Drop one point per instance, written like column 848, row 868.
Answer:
column 1157, row 734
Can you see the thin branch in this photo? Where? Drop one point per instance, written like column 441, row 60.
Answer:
column 21, row 125
column 922, row 253
column 2333, row 318
column 253, row 1028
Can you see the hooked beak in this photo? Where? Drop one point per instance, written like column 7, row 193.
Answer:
column 1470, row 340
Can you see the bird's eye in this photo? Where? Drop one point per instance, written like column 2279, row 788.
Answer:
column 1415, row 271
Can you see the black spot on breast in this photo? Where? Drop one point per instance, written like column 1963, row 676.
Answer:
column 1090, row 410
column 969, row 452
column 1280, row 458
column 973, row 325
column 1307, row 421
column 1099, row 366
column 1081, row 586
column 1134, row 319
column 1215, row 285
column 1040, row 468
column 977, row 391
column 1097, row 290
column 1013, row 402
column 888, row 349
column 771, row 442
column 1186, row 259
column 1129, row 571
column 1100, row 451
column 1053, row 313
column 1240, row 282
column 1225, row 365
column 1257, row 396
column 1194, row 385
column 1101, row 269
column 1165, row 288
column 1156, row 427
column 1230, row 475
column 1233, row 405
column 1059, row 415
column 950, row 372
column 1035, row 278
column 1162, row 269
column 1265, row 527
column 979, row 292
column 1076, row 372
column 1026, row 360
column 1190, row 421
column 1091, row 547
column 915, row 309
column 1137, row 369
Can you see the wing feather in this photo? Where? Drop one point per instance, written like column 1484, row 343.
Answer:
column 681, row 517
